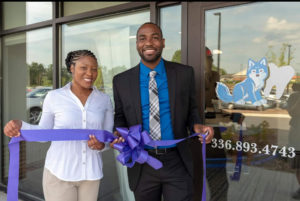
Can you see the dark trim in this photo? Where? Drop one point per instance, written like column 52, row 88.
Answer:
column 158, row 14
column 1, row 17
column 153, row 13
column 1, row 110
column 194, row 57
column 1, row 99
column 222, row 4
column 55, row 10
column 202, row 63
column 167, row 3
column 27, row 28
column 55, row 46
column 61, row 6
column 103, row 11
column 184, row 32
column 55, row 56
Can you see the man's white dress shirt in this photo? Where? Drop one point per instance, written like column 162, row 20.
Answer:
column 74, row 160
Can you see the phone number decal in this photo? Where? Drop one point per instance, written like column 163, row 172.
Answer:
column 252, row 147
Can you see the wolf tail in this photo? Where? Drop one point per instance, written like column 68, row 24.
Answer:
column 223, row 93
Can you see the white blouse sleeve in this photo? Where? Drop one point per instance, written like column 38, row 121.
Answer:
column 108, row 121
column 109, row 116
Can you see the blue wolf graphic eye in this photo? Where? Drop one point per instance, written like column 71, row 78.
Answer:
column 253, row 71
column 261, row 70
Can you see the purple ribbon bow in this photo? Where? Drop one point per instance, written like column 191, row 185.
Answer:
column 131, row 151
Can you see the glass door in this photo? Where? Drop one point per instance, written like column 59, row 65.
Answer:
column 27, row 78
column 252, row 99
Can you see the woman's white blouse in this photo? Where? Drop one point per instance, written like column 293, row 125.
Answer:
column 74, row 160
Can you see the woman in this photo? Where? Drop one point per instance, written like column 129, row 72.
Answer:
column 73, row 169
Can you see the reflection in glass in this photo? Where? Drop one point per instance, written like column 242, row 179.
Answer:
column 113, row 41
column 170, row 22
column 17, row 14
column 259, row 139
column 27, row 76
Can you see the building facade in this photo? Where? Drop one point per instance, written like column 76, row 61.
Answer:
column 253, row 155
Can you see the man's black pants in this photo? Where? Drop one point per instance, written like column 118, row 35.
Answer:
column 172, row 181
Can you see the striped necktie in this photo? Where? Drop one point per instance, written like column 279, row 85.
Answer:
column 154, row 117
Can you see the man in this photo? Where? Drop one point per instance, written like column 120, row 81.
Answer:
column 211, row 79
column 160, row 95
column 293, row 108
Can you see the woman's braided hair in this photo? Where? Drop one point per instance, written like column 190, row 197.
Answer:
column 73, row 56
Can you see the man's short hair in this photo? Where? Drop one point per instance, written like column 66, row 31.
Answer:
column 151, row 24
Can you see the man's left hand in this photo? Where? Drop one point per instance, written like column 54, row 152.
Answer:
column 199, row 128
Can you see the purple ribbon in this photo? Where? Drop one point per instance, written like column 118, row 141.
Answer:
column 204, row 167
column 238, row 164
column 43, row 135
column 131, row 151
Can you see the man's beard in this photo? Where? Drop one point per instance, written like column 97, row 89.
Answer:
column 155, row 58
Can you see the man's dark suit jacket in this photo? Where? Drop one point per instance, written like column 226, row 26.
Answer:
column 184, row 112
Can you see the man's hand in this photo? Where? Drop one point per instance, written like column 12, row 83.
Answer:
column 199, row 128
column 12, row 128
column 117, row 140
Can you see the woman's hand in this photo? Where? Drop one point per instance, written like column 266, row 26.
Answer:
column 94, row 144
column 12, row 128
column 117, row 140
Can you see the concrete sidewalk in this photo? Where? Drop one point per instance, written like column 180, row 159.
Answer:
column 3, row 196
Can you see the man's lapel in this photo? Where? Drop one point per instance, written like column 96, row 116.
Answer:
column 135, row 92
column 171, row 76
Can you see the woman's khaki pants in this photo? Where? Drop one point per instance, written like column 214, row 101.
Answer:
column 59, row 190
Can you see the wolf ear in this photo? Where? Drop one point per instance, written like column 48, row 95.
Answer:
column 251, row 63
column 263, row 61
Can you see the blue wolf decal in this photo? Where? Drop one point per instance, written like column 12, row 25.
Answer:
column 249, row 90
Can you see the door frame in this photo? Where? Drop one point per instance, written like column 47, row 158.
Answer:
column 195, row 41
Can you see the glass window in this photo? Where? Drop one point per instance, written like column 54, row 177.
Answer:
column 71, row 8
column 255, row 108
column 170, row 21
column 27, row 76
column 113, row 41
column 17, row 14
